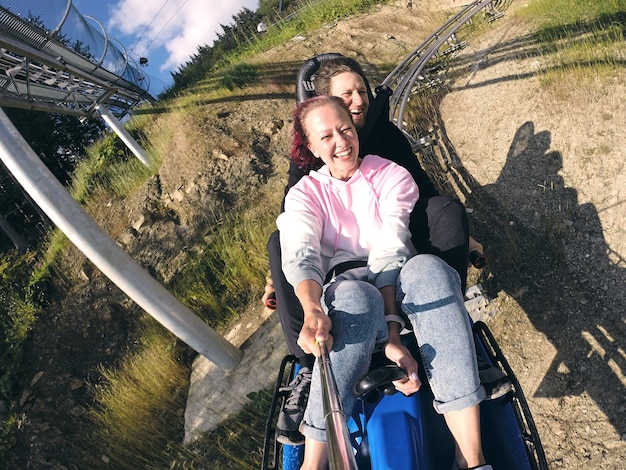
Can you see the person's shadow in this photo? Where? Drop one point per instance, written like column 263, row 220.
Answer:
column 549, row 253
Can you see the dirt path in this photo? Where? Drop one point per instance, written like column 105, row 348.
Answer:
column 545, row 174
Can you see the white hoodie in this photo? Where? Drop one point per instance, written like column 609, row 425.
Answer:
column 328, row 221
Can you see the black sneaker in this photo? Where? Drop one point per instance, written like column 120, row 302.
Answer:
column 292, row 412
column 496, row 383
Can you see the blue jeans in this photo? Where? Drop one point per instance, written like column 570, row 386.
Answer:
column 429, row 293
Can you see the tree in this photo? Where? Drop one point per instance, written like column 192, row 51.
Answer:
column 60, row 141
column 229, row 39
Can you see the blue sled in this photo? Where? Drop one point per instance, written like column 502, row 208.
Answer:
column 394, row 432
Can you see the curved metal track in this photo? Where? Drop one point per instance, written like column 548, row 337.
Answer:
column 413, row 74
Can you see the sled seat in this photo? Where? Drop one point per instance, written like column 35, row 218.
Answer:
column 406, row 432
column 394, row 432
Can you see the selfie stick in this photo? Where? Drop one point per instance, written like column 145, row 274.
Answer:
column 340, row 454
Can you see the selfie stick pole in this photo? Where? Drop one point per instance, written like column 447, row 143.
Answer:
column 340, row 454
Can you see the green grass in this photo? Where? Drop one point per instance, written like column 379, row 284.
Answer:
column 236, row 443
column 569, row 16
column 310, row 18
column 580, row 39
column 138, row 419
column 109, row 166
column 229, row 272
column 18, row 313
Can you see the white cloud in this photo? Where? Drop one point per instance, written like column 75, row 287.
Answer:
column 180, row 26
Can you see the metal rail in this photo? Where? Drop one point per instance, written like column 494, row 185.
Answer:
column 413, row 67
column 340, row 453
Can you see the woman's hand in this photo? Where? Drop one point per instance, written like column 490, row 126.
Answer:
column 316, row 323
column 396, row 352
column 269, row 295
column 316, row 327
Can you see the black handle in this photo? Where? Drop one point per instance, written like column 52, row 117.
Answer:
column 379, row 379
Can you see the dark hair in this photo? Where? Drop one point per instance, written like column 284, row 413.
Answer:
column 300, row 152
column 331, row 67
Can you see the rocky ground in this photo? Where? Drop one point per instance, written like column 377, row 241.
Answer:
column 540, row 167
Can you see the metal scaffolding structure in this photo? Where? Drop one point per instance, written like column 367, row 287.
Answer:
column 54, row 59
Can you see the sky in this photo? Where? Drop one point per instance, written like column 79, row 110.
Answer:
column 166, row 32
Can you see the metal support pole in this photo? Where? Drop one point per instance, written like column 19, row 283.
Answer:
column 122, row 133
column 340, row 453
column 104, row 252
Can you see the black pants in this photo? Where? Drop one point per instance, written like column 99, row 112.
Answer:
column 439, row 226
